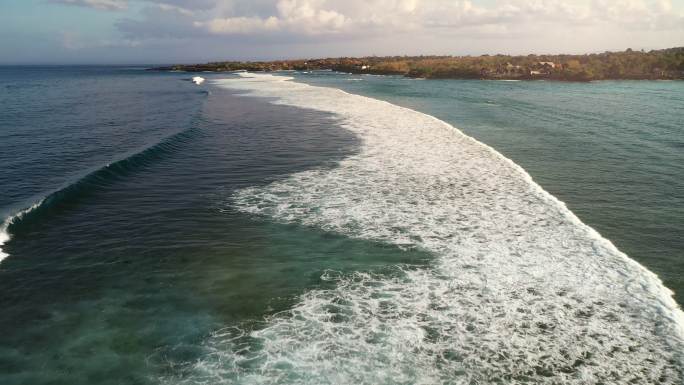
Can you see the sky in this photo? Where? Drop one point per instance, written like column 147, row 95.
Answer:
column 193, row 31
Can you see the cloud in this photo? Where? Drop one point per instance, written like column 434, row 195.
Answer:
column 184, row 6
column 277, row 28
column 107, row 5
column 307, row 18
column 377, row 17
column 295, row 16
column 161, row 21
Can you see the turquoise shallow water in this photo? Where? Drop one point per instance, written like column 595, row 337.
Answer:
column 138, row 268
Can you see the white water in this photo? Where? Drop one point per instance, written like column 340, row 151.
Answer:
column 4, row 228
column 4, row 237
column 521, row 292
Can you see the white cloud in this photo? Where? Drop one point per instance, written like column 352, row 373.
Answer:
column 108, row 5
column 270, row 29
column 174, row 8
column 377, row 17
column 297, row 16
column 240, row 25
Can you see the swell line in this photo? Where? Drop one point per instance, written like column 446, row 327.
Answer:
column 92, row 181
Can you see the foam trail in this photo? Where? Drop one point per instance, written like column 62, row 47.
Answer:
column 521, row 292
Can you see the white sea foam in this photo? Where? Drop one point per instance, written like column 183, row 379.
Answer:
column 4, row 237
column 4, row 228
column 521, row 291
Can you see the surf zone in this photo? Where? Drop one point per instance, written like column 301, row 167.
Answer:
column 521, row 291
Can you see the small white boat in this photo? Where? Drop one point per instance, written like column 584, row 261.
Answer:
column 198, row 80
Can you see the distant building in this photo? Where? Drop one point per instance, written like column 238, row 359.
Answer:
column 542, row 68
column 511, row 69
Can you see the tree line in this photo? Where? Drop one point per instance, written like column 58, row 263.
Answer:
column 628, row 64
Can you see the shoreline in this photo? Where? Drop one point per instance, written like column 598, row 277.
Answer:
column 665, row 64
column 407, row 76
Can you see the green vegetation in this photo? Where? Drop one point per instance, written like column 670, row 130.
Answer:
column 629, row 64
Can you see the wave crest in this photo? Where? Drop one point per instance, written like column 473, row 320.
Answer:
column 99, row 178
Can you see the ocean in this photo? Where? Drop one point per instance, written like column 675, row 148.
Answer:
column 327, row 228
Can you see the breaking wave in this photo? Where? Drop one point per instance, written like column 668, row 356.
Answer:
column 521, row 292
column 90, row 182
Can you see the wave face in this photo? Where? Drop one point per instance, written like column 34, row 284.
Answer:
column 89, row 183
column 521, row 292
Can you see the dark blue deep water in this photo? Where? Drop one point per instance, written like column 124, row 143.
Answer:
column 132, row 257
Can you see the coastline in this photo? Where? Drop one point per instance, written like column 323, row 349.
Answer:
column 408, row 76
column 666, row 64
